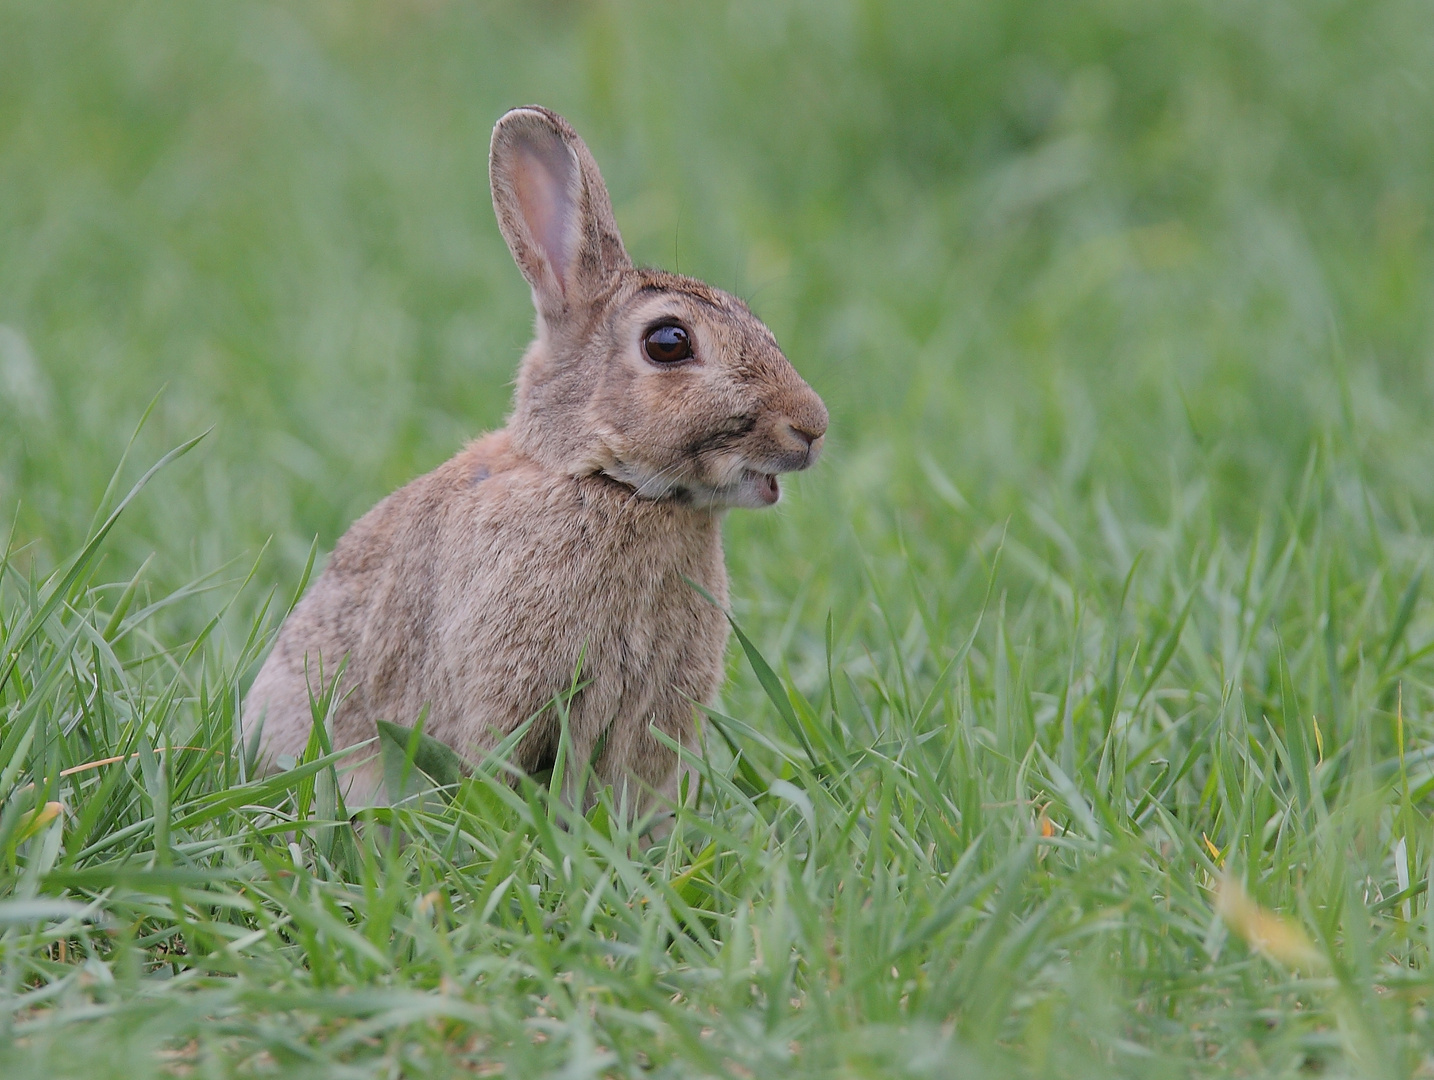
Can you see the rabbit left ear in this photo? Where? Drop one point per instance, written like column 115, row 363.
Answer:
column 553, row 210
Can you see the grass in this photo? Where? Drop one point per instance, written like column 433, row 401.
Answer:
column 1083, row 725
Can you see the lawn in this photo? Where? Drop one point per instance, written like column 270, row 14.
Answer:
column 1084, row 725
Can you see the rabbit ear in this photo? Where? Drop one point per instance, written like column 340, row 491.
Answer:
column 553, row 209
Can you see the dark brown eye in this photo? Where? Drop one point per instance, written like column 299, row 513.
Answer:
column 667, row 344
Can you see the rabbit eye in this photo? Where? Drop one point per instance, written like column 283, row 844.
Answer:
column 667, row 344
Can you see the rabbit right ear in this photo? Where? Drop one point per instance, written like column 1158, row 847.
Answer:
column 553, row 210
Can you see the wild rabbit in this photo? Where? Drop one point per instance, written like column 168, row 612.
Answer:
column 647, row 404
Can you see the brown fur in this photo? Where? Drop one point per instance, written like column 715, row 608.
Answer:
column 574, row 531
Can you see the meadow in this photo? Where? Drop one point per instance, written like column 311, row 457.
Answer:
column 1082, row 724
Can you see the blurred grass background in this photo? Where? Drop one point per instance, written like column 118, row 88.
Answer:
column 1117, row 280
column 1068, row 252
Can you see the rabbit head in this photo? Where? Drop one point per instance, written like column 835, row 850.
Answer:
column 655, row 380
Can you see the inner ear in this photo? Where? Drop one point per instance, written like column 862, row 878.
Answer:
column 553, row 210
column 545, row 176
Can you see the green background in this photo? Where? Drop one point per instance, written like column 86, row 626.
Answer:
column 1059, row 249
column 1124, row 310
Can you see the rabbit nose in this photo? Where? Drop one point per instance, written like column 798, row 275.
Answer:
column 809, row 437
column 809, row 434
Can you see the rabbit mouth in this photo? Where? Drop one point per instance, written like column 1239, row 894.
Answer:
column 763, row 485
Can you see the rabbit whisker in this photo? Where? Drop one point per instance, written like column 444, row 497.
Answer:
column 658, row 478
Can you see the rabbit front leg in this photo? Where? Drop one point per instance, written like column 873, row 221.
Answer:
column 642, row 772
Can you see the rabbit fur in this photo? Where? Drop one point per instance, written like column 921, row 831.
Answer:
column 571, row 533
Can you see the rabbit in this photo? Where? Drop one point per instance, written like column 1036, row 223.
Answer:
column 647, row 405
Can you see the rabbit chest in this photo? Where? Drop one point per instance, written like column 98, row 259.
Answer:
column 501, row 586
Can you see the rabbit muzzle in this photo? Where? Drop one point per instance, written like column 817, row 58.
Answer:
column 742, row 476
column 791, row 444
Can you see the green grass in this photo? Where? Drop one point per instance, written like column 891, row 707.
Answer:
column 1103, row 621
